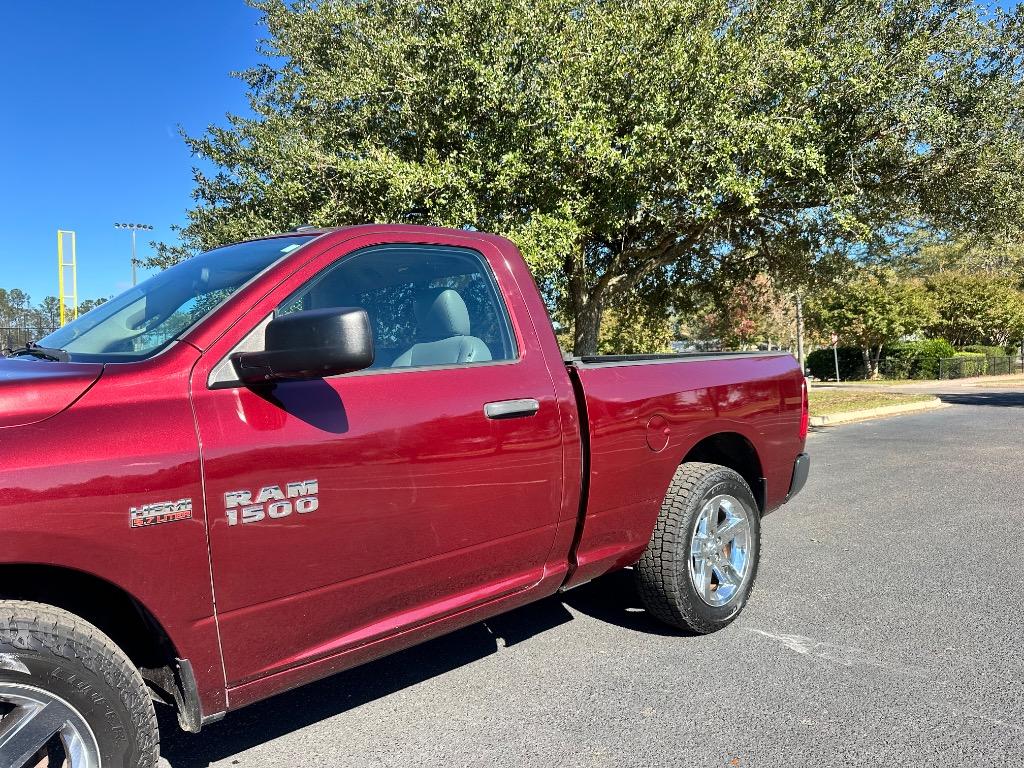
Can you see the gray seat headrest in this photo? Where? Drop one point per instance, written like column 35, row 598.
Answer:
column 440, row 314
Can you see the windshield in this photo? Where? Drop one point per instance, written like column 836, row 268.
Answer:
column 145, row 319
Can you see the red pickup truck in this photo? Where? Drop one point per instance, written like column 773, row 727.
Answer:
column 292, row 455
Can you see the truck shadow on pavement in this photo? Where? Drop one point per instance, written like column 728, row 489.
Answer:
column 614, row 600
column 611, row 598
column 1002, row 399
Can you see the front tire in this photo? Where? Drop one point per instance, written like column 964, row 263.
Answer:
column 68, row 695
column 700, row 565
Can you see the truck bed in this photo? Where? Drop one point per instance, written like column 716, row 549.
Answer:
column 643, row 415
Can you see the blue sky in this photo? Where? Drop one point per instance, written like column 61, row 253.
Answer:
column 88, row 129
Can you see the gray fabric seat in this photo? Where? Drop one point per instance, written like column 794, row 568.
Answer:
column 442, row 324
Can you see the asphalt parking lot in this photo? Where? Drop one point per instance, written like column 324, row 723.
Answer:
column 886, row 628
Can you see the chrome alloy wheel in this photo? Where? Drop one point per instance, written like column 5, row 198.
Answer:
column 34, row 721
column 720, row 550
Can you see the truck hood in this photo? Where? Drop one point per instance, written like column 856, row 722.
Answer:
column 33, row 390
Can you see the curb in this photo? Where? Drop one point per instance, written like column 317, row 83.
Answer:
column 876, row 413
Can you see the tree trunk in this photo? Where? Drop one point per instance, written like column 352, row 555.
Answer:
column 875, row 372
column 586, row 303
column 872, row 361
column 866, row 353
column 587, row 327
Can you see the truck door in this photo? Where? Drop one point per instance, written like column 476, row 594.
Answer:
column 350, row 508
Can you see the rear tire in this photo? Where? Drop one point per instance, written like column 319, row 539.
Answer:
column 67, row 690
column 700, row 565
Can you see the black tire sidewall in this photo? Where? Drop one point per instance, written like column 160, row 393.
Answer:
column 722, row 481
column 86, row 691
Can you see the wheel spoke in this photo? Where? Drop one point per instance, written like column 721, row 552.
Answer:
column 727, row 571
column 697, row 546
column 74, row 749
column 702, row 576
column 710, row 520
column 727, row 507
column 733, row 528
column 26, row 730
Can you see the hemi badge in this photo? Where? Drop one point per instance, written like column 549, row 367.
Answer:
column 161, row 512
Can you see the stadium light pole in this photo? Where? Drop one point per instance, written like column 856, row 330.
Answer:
column 134, row 228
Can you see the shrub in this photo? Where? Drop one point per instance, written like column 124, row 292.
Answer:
column 915, row 359
column 821, row 364
column 990, row 351
column 963, row 365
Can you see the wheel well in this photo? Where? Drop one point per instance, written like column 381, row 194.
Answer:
column 733, row 450
column 122, row 618
column 115, row 612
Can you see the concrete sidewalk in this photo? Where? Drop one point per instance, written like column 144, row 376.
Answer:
column 1010, row 382
column 978, row 390
column 848, row 417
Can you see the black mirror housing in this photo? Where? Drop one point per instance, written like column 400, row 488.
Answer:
column 310, row 345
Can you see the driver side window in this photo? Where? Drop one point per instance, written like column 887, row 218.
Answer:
column 428, row 305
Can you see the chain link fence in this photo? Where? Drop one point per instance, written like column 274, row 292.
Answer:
column 978, row 365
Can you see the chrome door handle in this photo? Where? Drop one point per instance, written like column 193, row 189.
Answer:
column 511, row 409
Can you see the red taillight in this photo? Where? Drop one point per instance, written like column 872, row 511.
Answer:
column 805, row 411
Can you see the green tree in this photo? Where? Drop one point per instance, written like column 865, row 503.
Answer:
column 873, row 309
column 978, row 308
column 623, row 144
column 46, row 315
column 90, row 304
column 17, row 311
column 996, row 257
column 6, row 310
column 17, row 306
column 631, row 330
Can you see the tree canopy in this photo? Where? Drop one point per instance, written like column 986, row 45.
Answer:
column 872, row 310
column 21, row 321
column 979, row 308
column 635, row 151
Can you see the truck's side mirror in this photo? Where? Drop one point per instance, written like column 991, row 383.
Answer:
column 310, row 345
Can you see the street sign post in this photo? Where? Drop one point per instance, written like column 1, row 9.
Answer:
column 835, row 353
